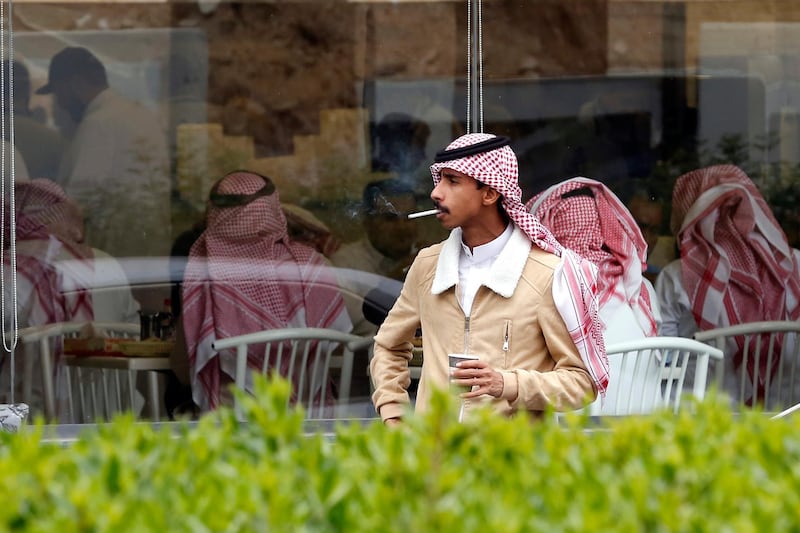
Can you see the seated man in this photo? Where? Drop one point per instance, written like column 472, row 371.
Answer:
column 306, row 228
column 735, row 262
column 59, row 276
column 386, row 249
column 302, row 227
column 586, row 217
column 244, row 275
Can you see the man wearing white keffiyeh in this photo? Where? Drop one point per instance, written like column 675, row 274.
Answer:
column 500, row 287
column 735, row 266
column 588, row 218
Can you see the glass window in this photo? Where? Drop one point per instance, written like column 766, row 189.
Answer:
column 126, row 116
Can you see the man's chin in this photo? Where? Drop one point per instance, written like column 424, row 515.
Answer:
column 442, row 217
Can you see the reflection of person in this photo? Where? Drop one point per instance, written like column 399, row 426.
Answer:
column 116, row 164
column 244, row 275
column 50, row 235
column 586, row 217
column 388, row 245
column 399, row 148
column 49, row 227
column 305, row 227
column 500, row 287
column 302, row 227
column 39, row 145
column 648, row 214
column 399, row 143
column 735, row 263
column 56, row 270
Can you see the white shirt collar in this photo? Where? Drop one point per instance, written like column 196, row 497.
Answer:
column 490, row 250
column 474, row 267
column 505, row 272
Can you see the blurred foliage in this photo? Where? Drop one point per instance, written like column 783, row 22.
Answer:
column 704, row 469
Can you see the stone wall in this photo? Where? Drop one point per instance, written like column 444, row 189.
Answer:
column 274, row 68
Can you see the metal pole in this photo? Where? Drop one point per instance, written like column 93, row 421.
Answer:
column 474, row 88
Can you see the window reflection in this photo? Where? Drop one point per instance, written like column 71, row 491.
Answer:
column 387, row 247
column 60, row 278
column 243, row 275
column 328, row 97
column 39, row 146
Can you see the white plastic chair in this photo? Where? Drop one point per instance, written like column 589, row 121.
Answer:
column 758, row 340
column 39, row 343
column 295, row 347
column 786, row 412
column 650, row 374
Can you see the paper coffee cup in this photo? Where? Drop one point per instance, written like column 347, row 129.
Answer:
column 454, row 359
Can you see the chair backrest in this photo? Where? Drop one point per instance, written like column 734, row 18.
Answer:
column 761, row 345
column 39, row 342
column 309, row 354
column 650, row 374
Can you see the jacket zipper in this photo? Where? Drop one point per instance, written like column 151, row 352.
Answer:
column 505, row 339
column 466, row 334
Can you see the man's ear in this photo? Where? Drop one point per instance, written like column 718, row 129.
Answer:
column 490, row 196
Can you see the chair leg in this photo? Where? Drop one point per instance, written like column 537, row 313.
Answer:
column 47, row 383
column 131, row 389
column 71, row 415
column 108, row 408
column 152, row 383
column 119, row 405
column 27, row 372
column 93, row 397
column 82, row 400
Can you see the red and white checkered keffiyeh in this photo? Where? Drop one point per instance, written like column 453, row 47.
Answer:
column 244, row 274
column 44, row 208
column 736, row 263
column 574, row 280
column 50, row 226
column 601, row 229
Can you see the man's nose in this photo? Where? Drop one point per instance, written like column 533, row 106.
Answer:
column 436, row 193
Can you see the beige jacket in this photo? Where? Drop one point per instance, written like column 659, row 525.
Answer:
column 514, row 325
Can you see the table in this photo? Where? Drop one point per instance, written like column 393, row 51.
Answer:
column 132, row 365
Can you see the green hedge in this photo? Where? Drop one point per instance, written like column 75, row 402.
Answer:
column 702, row 471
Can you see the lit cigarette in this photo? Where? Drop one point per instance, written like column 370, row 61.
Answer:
column 423, row 213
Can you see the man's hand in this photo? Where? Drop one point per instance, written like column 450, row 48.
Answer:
column 478, row 375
